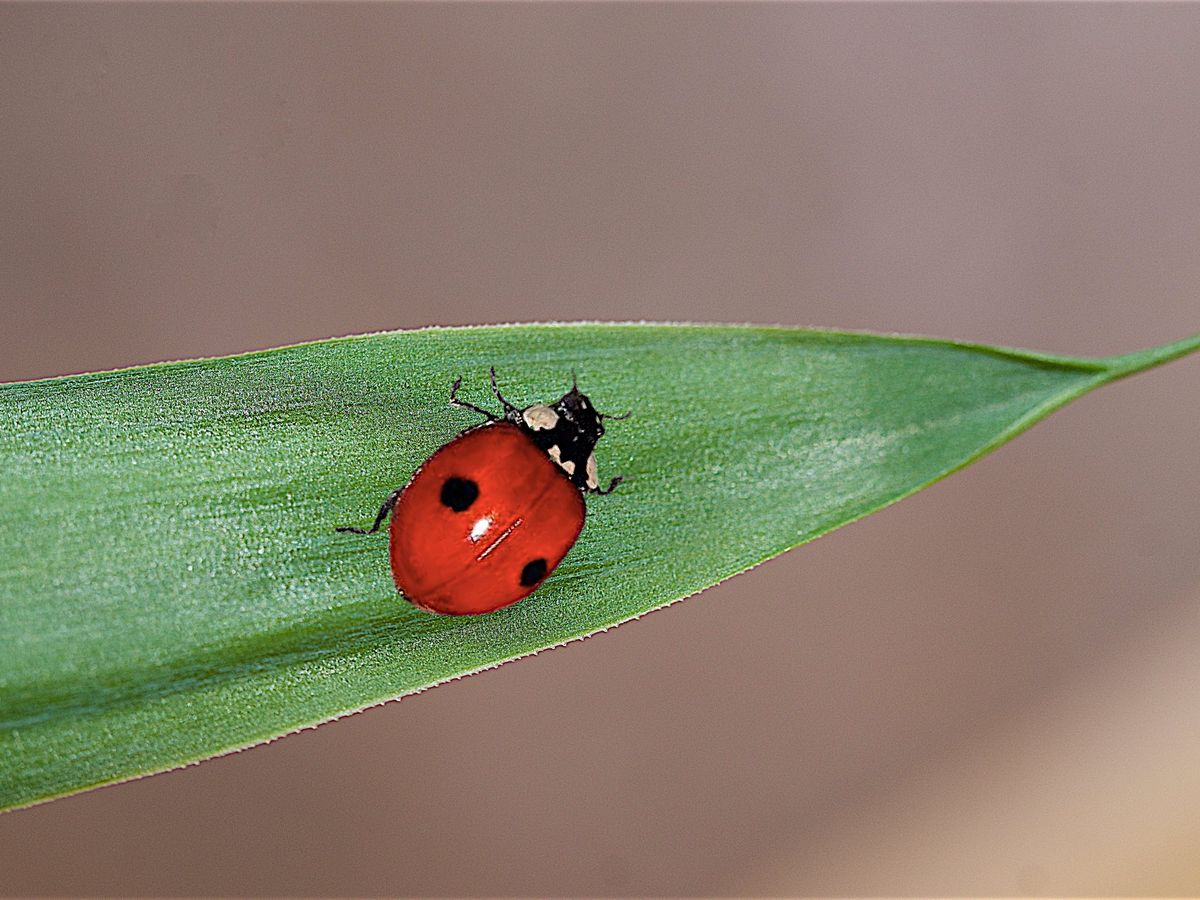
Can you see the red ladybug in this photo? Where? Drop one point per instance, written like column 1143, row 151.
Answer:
column 486, row 518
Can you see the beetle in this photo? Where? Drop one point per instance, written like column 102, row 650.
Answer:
column 486, row 518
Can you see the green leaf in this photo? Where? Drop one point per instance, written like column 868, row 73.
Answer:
column 172, row 587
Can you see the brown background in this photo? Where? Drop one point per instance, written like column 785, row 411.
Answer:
column 993, row 687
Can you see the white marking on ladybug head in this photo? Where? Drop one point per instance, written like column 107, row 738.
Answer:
column 555, row 454
column 592, row 480
column 480, row 528
column 540, row 418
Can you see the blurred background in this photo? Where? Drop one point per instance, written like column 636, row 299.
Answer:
column 992, row 687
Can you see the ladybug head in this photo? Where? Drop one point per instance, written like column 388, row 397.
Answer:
column 576, row 412
column 567, row 430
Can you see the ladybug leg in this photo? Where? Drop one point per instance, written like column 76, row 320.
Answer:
column 612, row 486
column 383, row 514
column 454, row 401
column 508, row 407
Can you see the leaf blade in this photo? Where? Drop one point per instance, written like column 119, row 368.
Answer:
column 200, row 601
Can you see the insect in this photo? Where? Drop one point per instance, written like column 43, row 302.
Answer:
column 487, row 517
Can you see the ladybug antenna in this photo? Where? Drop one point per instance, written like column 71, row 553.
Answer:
column 574, row 382
column 624, row 415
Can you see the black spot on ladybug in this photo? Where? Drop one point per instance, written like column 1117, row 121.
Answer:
column 459, row 493
column 534, row 571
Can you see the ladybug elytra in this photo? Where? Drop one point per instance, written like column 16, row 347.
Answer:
column 487, row 517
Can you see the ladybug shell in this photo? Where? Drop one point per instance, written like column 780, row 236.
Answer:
column 482, row 522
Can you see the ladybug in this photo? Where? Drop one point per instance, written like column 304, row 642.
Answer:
column 488, row 516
